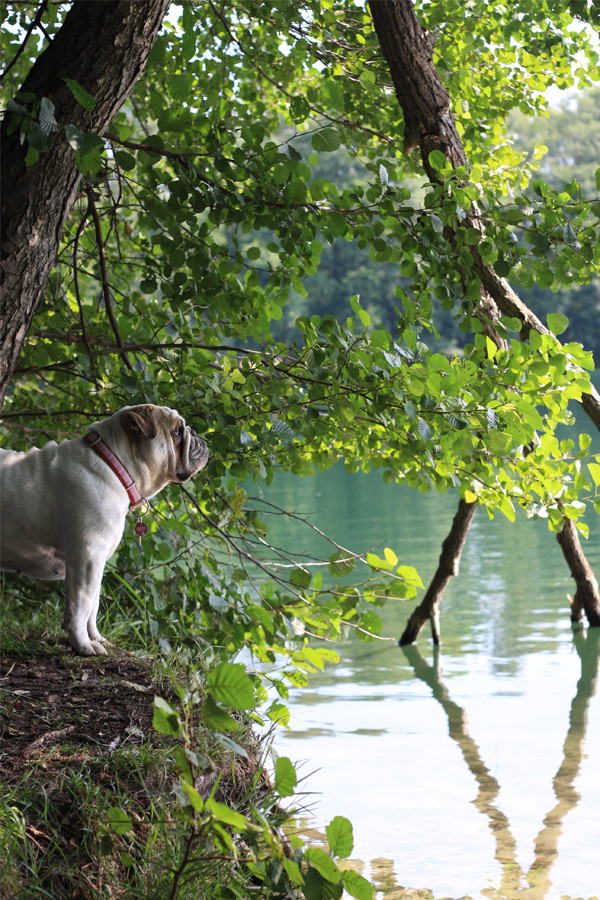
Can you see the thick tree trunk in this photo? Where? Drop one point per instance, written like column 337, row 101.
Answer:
column 104, row 47
column 452, row 548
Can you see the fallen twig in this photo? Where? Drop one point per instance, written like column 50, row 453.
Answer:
column 47, row 738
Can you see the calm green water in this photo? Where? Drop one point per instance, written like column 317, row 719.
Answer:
column 476, row 771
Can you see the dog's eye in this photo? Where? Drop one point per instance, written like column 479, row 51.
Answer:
column 177, row 432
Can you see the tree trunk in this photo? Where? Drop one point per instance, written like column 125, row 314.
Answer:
column 429, row 125
column 408, row 50
column 586, row 595
column 452, row 549
column 104, row 47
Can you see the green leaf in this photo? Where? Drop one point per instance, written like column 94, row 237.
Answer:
column 165, row 719
column 410, row 575
column 285, row 777
column 81, row 95
column 357, row 886
column 230, row 684
column 327, row 140
column 362, row 314
column 334, row 92
column 316, row 887
column 390, row 556
column 193, row 796
column 323, row 863
column 598, row 179
column 506, row 508
column 340, row 837
column 371, row 623
column 300, row 577
column 74, row 135
column 106, row 845
column 341, row 564
column 557, row 323
column 37, row 140
column 410, row 409
column 457, row 422
column 424, row 430
column 283, row 431
column 226, row 815
column 48, row 123
column 215, row 717
column 437, row 160
column 179, row 86
column 119, row 821
column 595, row 473
column 492, row 418
column 88, row 149
column 125, row 160
column 13, row 106
column 232, row 745
column 336, row 224
column 299, row 109
column 279, row 713
column 292, row 871
column 377, row 563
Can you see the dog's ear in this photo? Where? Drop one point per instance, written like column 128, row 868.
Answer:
column 139, row 422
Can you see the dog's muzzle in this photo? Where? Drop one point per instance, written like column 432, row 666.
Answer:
column 197, row 457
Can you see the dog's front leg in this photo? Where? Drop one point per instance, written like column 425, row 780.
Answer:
column 83, row 579
column 92, row 627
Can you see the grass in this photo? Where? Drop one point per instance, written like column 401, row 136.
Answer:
column 91, row 799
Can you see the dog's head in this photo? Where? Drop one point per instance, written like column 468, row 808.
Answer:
column 161, row 442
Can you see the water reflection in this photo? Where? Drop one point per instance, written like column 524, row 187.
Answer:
column 536, row 882
column 533, row 883
column 458, row 731
column 546, row 844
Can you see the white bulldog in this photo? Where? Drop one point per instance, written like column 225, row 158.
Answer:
column 63, row 508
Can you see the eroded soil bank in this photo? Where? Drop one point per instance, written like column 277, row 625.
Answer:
column 77, row 740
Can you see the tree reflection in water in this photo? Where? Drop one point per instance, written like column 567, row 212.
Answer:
column 535, row 883
column 516, row 883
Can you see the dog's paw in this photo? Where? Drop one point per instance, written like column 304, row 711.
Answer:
column 99, row 639
column 90, row 648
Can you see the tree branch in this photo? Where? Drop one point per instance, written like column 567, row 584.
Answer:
column 36, row 21
column 105, row 285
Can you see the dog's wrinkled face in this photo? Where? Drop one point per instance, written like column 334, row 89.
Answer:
column 163, row 443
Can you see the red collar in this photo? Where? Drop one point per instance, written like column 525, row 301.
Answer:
column 98, row 445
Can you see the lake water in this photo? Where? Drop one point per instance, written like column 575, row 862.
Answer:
column 475, row 771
